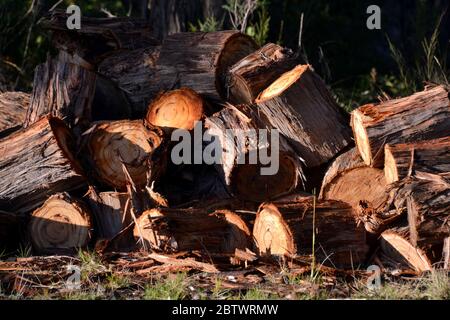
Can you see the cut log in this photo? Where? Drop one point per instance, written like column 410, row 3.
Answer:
column 428, row 205
column 192, row 229
column 176, row 109
column 36, row 162
column 199, row 60
column 350, row 180
column 394, row 243
column 426, row 156
column 300, row 106
column 64, row 89
column 422, row 116
column 446, row 254
column 113, row 143
column 13, row 107
column 241, row 141
column 111, row 212
column 134, row 72
column 254, row 73
column 62, row 224
column 98, row 36
column 286, row 229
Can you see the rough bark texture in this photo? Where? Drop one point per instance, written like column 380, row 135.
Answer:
column 113, row 144
column 254, row 73
column 426, row 156
column 61, row 224
column 199, row 60
column 176, row 109
column 13, row 107
column 424, row 115
column 62, row 88
column 37, row 162
column 241, row 161
column 286, row 228
column 300, row 106
column 134, row 72
column 348, row 179
column 98, row 36
column 192, row 229
column 111, row 212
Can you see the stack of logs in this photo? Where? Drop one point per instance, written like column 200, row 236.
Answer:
column 86, row 159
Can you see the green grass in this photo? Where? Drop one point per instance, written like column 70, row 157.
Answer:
column 172, row 287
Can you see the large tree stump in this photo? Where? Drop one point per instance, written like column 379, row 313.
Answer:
column 112, row 144
column 192, row 229
column 63, row 89
column 111, row 212
column 300, row 106
column 61, row 224
column 13, row 107
column 199, row 60
column 424, row 115
column 350, row 180
column 36, row 162
column 427, row 156
column 254, row 73
column 176, row 109
column 242, row 143
column 286, row 228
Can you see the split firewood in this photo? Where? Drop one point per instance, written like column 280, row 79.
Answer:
column 199, row 60
column 300, row 106
column 98, row 36
column 192, row 229
column 176, row 109
column 134, row 72
column 241, row 146
column 111, row 212
column 64, row 89
column 424, row 115
column 293, row 228
column 396, row 245
column 13, row 108
column 38, row 161
column 113, row 143
column 426, row 156
column 61, row 224
column 350, row 180
column 252, row 74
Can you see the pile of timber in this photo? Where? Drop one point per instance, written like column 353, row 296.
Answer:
column 92, row 157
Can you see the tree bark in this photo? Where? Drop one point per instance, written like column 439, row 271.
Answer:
column 286, row 228
column 61, row 224
column 300, row 106
column 98, row 36
column 199, row 60
column 255, row 72
column 13, row 107
column 112, row 144
column 426, row 156
column 424, row 115
column 192, row 229
column 176, row 109
column 37, row 161
column 134, row 72
column 62, row 88
column 348, row 179
column 111, row 212
column 241, row 163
